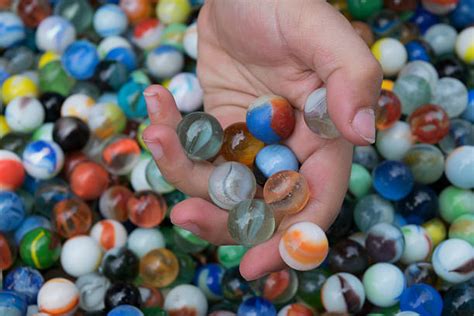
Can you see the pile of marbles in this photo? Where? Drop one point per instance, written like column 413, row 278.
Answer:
column 84, row 210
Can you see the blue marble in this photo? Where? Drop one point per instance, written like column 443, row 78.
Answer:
column 124, row 55
column 254, row 306
column 209, row 279
column 419, row 206
column 417, row 50
column 12, row 304
column 424, row 19
column 42, row 159
column 423, row 299
column 468, row 113
column 25, row 281
column 80, row 59
column 12, row 211
column 259, row 124
column 131, row 100
column 12, row 30
column 125, row 310
column 393, row 180
column 463, row 15
column 275, row 158
column 399, row 220
column 366, row 156
column 30, row 223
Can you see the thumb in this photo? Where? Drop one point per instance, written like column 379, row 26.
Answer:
column 327, row 43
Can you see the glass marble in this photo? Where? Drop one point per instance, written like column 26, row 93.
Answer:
column 385, row 23
column 239, row 145
column 464, row 45
column 383, row 283
column 156, row 180
column 295, row 308
column 461, row 133
column 426, row 162
column 348, row 256
column 452, row 95
column 165, row 61
column 121, row 293
column 360, row 182
column 136, row 10
column 366, row 156
column 109, row 234
column 55, row 33
column 419, row 206
column 251, row 222
column 275, row 158
column 360, row 9
column 109, row 20
column 48, row 193
column 12, row 303
column 234, row 286
column 459, row 168
column 231, row 183
column 450, row 67
column 190, row 41
column 187, row 92
column 186, row 299
column 173, row 35
column 20, row 59
column 420, row 272
column 106, row 119
column 70, row 133
column 436, row 229
column 229, row 256
column 343, row 293
column 454, row 202
column 77, row 105
column 431, row 304
column 173, row 11
column 270, row 119
column 113, row 203
column 89, row 180
column 125, row 56
column 12, row 211
column 394, row 142
column 80, row 59
column 14, row 142
column 120, row 154
column 201, row 135
column 309, row 287
column 418, row 49
column 79, row 13
column 147, row 33
column 143, row 240
column 187, row 268
column 388, row 110
column 459, row 299
column 209, row 279
column 159, row 267
column 316, row 115
column 286, row 192
column 25, row 281
column 373, row 209
column 80, row 255
column 146, row 209
column 18, row 86
column 120, row 264
column 413, row 91
column 24, row 114
column 385, row 243
column 40, row 248
column 393, row 180
column 13, row 30
column 452, row 260
column 31, row 222
column 8, row 252
column 256, row 306
column 54, row 79
column 71, row 217
column 277, row 287
column 125, row 310
column 463, row 228
column 32, row 12
column 303, row 246
column 151, row 297
column 391, row 54
column 418, row 244
column 131, row 101
column 110, row 75
column 423, row 70
column 92, row 288
column 58, row 294
column 442, row 38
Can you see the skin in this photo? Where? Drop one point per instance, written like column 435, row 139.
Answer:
column 289, row 48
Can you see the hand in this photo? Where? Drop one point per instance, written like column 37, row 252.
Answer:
column 289, row 48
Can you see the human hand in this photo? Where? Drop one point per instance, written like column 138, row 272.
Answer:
column 289, row 48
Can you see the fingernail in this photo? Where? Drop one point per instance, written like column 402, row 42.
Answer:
column 153, row 105
column 193, row 228
column 155, row 148
column 364, row 124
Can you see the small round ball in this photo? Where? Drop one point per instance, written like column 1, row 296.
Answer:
column 187, row 91
column 343, row 293
column 71, row 133
column 453, row 260
column 109, row 233
column 80, row 255
column 465, row 45
column 383, row 284
column 110, row 20
column 186, row 298
column 43, row 159
column 55, row 33
column 418, row 244
column 89, row 180
column 24, row 114
column 391, row 55
column 58, row 296
column 143, row 240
